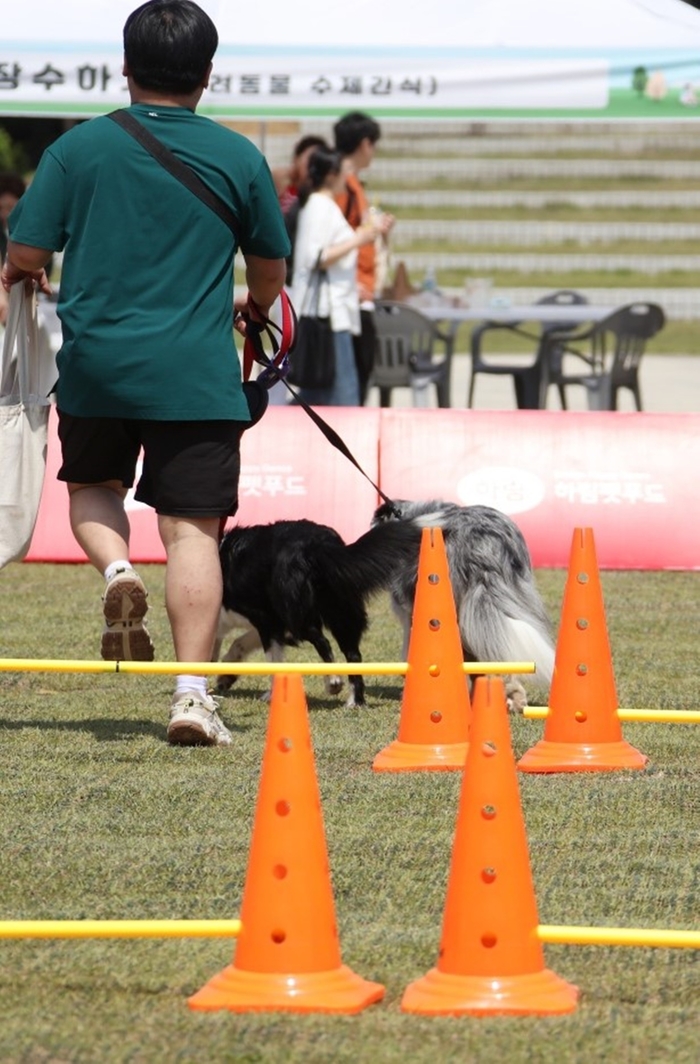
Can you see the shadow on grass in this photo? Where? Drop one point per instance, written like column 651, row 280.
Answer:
column 104, row 731
column 256, row 695
column 315, row 702
column 386, row 692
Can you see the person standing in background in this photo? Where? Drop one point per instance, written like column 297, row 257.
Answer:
column 148, row 358
column 291, row 178
column 356, row 135
column 289, row 182
column 327, row 241
column 12, row 188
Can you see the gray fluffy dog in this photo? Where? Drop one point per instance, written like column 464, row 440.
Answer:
column 501, row 615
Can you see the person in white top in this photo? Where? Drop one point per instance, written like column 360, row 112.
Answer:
column 324, row 237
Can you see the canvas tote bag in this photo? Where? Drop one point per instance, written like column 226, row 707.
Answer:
column 28, row 372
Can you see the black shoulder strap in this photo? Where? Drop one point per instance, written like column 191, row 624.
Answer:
column 184, row 173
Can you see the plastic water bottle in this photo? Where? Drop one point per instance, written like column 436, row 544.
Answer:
column 429, row 292
column 429, row 281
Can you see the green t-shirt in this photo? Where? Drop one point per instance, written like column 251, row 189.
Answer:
column 146, row 293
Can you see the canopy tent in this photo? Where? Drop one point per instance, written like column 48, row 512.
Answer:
column 474, row 59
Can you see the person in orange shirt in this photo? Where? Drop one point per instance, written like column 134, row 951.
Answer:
column 356, row 135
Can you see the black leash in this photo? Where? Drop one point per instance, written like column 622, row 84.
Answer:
column 276, row 370
column 340, row 445
column 175, row 166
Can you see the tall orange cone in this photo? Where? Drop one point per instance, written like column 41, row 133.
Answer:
column 287, row 956
column 490, row 958
column 435, row 710
column 583, row 731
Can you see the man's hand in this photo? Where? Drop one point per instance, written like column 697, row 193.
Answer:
column 384, row 223
column 25, row 263
column 12, row 275
column 243, row 312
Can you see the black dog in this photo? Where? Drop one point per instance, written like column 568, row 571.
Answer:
column 501, row 615
column 287, row 581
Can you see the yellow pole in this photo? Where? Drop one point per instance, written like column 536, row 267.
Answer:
column 644, row 716
column 119, row 928
column 618, row 936
column 240, row 668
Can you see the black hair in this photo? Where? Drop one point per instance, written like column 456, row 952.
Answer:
column 350, row 130
column 322, row 162
column 310, row 141
column 168, row 45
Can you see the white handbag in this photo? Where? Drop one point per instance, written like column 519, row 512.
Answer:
column 28, row 372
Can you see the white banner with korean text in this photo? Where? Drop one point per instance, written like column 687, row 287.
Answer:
column 462, row 58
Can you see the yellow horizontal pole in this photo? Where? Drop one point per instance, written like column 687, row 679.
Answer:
column 120, row 928
column 618, row 936
column 648, row 716
column 247, row 668
column 550, row 933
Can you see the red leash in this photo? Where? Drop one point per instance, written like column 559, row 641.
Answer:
column 280, row 335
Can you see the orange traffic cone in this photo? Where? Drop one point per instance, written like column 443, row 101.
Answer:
column 582, row 732
column 435, row 710
column 490, row 959
column 287, row 955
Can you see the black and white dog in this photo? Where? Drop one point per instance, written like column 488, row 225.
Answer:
column 501, row 615
column 287, row 581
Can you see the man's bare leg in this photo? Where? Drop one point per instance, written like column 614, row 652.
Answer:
column 193, row 584
column 101, row 527
column 193, row 593
column 99, row 522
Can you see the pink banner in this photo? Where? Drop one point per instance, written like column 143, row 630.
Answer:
column 288, row 470
column 627, row 476
column 630, row 477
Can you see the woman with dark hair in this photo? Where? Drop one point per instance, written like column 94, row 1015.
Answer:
column 289, row 181
column 325, row 240
column 291, row 178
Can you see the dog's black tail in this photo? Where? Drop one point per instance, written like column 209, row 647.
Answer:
column 373, row 560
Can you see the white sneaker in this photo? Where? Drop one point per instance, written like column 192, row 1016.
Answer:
column 194, row 721
column 124, row 603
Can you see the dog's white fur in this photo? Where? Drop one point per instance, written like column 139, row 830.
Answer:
column 247, row 643
column 501, row 615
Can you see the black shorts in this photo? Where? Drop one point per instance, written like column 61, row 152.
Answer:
column 190, row 468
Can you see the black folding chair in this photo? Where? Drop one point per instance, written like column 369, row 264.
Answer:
column 405, row 354
column 611, row 356
column 527, row 379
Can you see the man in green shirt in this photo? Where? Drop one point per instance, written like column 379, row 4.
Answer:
column 148, row 358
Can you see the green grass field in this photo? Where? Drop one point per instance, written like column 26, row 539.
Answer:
column 100, row 818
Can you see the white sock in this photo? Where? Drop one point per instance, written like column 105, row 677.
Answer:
column 114, row 567
column 197, row 684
